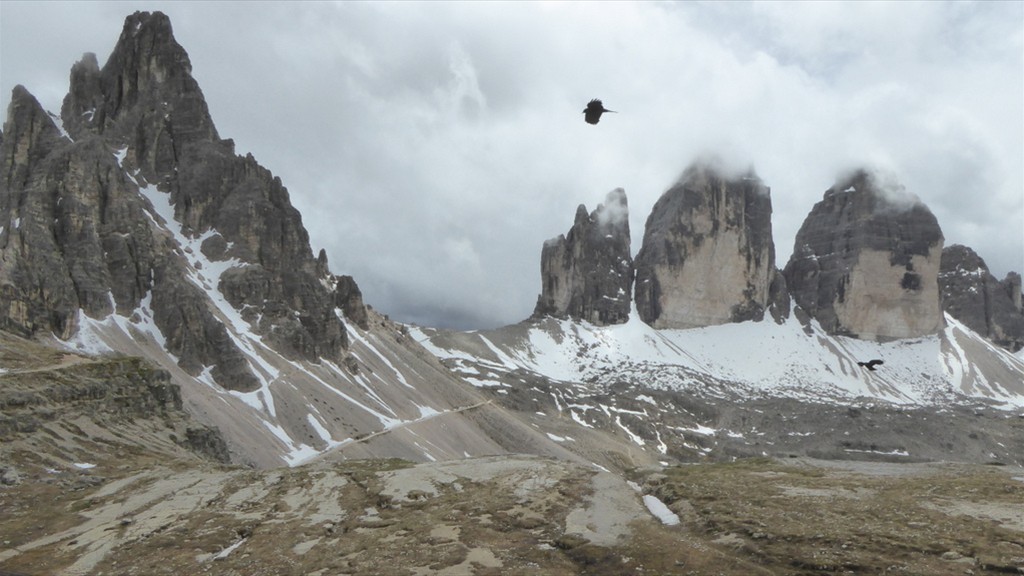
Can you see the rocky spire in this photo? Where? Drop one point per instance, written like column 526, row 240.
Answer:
column 80, row 228
column 587, row 273
column 30, row 135
column 29, row 297
column 144, row 95
column 707, row 256
column 866, row 261
column 972, row 295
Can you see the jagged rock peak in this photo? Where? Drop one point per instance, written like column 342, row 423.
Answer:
column 82, row 232
column 881, row 189
column 349, row 298
column 587, row 274
column 146, row 80
column 30, row 134
column 707, row 257
column 972, row 295
column 866, row 260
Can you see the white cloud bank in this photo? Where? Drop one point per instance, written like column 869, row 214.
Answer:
column 432, row 148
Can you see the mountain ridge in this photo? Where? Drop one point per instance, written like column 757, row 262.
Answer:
column 134, row 228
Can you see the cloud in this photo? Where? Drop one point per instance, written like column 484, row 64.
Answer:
column 433, row 147
column 614, row 211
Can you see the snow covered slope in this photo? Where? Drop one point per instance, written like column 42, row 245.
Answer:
column 750, row 359
column 390, row 399
column 754, row 388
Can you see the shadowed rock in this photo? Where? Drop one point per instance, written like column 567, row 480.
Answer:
column 972, row 295
column 77, row 234
column 587, row 273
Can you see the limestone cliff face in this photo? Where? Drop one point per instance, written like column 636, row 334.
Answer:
column 68, row 220
column 972, row 295
column 708, row 257
column 866, row 261
column 587, row 274
column 80, row 229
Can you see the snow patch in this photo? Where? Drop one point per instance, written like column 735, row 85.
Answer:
column 322, row 432
column 58, row 122
column 660, row 510
column 879, row 452
column 225, row 552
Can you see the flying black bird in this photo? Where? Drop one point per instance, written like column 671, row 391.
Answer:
column 594, row 110
column 870, row 364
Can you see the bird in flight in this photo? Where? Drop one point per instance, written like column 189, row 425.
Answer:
column 592, row 113
column 870, row 364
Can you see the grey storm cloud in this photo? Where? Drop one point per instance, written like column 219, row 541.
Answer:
column 433, row 147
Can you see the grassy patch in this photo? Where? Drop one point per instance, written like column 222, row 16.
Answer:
column 815, row 520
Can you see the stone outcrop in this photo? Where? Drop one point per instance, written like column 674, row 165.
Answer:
column 866, row 261
column 78, row 231
column 587, row 274
column 972, row 295
column 349, row 298
column 110, row 394
column 708, row 257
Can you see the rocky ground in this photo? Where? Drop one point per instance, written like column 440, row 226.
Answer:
column 94, row 480
column 511, row 515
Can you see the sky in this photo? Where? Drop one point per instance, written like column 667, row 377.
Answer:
column 433, row 147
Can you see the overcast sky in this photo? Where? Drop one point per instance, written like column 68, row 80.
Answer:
column 432, row 148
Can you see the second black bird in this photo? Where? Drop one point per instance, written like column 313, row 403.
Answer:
column 870, row 364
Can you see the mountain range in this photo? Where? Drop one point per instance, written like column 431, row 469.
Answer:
column 134, row 237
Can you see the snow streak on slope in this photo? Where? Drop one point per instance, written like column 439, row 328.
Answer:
column 301, row 409
column 753, row 359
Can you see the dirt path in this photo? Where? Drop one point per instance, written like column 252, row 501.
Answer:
column 66, row 361
column 399, row 426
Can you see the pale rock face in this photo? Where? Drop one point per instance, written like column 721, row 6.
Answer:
column 881, row 313
column 866, row 261
column 706, row 289
column 707, row 256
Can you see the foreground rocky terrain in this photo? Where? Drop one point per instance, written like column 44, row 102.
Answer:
column 94, row 487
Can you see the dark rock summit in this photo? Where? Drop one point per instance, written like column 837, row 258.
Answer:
column 80, row 225
column 587, row 274
column 972, row 295
column 866, row 261
column 708, row 257
column 146, row 83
